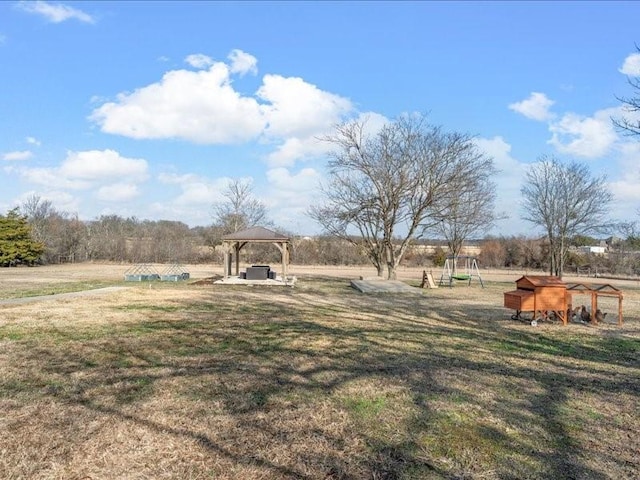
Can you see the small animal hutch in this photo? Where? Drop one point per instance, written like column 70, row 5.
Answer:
column 541, row 295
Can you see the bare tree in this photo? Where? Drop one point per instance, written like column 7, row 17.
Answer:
column 62, row 233
column 630, row 124
column 386, row 190
column 471, row 212
column 240, row 209
column 566, row 201
column 38, row 213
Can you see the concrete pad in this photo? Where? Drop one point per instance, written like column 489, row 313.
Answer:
column 278, row 282
column 383, row 286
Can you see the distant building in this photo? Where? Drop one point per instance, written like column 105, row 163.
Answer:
column 596, row 250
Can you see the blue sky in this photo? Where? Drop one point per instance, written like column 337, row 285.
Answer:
column 147, row 109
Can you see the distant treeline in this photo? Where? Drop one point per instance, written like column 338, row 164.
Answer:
column 117, row 239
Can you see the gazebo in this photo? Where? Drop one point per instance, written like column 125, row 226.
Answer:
column 234, row 242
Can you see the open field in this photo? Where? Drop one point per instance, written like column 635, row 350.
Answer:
column 185, row 381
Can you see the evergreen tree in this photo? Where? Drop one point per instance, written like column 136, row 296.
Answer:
column 16, row 244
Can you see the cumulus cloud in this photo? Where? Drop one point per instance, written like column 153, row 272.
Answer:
column 291, row 194
column 587, row 137
column 508, row 179
column 33, row 141
column 297, row 108
column 295, row 149
column 631, row 65
column 55, row 12
column 281, row 180
column 195, row 190
column 87, row 170
column 99, row 165
column 200, row 107
column 117, row 192
column 536, row 107
column 199, row 60
column 51, row 178
column 498, row 149
column 203, row 107
column 243, row 63
column 626, row 187
column 17, row 156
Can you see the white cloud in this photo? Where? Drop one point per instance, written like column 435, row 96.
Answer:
column 17, row 156
column 626, row 187
column 508, row 182
column 117, row 192
column 587, row 137
column 99, row 165
column 536, row 107
column 296, row 149
column 243, row 63
column 500, row 151
column 33, row 141
column 300, row 109
column 290, row 196
column 631, row 65
column 200, row 107
column 51, row 178
column 196, row 190
column 199, row 60
column 86, row 170
column 283, row 182
column 55, row 12
column 203, row 107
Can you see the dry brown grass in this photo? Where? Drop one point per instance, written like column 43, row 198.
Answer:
column 319, row 381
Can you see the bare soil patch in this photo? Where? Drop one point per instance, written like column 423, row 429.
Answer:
column 193, row 380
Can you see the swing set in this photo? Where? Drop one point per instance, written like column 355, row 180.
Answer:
column 461, row 268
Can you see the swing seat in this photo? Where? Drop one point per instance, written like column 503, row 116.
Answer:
column 461, row 277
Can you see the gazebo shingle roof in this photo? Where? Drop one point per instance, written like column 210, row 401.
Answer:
column 254, row 234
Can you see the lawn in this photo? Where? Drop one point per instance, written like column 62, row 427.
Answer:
column 314, row 382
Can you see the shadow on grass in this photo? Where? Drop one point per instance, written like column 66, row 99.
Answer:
column 428, row 390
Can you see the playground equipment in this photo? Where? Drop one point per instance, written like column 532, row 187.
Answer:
column 464, row 268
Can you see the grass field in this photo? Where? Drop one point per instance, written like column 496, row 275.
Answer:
column 184, row 381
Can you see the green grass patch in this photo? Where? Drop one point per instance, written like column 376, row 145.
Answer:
column 56, row 288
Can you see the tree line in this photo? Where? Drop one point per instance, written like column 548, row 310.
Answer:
column 47, row 236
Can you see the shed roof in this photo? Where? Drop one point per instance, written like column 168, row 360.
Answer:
column 541, row 281
column 256, row 234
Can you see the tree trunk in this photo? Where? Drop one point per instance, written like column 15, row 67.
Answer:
column 391, row 272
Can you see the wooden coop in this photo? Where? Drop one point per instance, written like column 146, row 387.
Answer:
column 541, row 295
column 595, row 291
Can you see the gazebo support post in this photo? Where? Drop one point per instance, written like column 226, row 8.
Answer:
column 284, row 253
